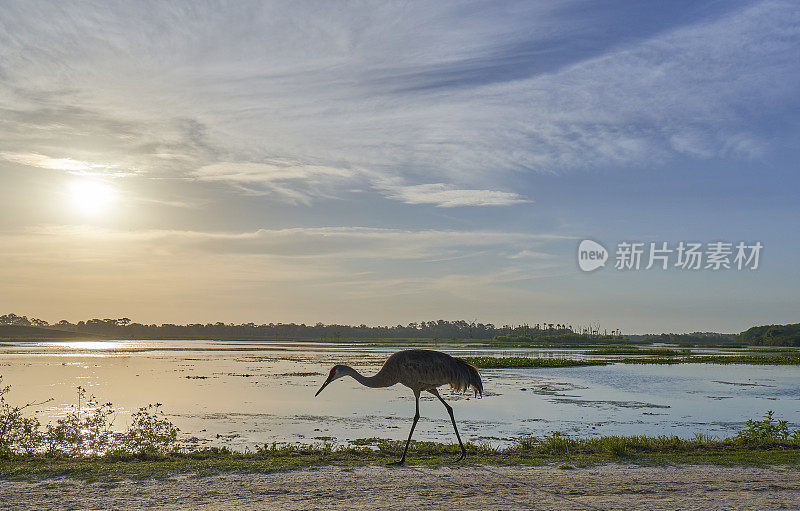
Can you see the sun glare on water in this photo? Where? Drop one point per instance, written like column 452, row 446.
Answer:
column 91, row 345
column 92, row 197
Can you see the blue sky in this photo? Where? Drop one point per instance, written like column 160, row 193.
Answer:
column 394, row 162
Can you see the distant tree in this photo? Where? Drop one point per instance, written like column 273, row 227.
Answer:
column 13, row 319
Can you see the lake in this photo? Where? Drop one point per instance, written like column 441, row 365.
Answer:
column 247, row 393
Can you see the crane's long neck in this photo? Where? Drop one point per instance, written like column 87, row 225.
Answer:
column 382, row 379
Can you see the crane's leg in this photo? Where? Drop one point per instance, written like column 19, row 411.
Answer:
column 413, row 425
column 450, row 411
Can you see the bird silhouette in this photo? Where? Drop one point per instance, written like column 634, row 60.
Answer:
column 419, row 370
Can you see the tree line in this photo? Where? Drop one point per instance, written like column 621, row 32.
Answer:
column 125, row 328
column 772, row 335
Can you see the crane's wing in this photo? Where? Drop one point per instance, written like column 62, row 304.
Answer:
column 465, row 376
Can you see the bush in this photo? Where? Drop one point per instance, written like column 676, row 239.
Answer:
column 17, row 432
column 85, row 431
column 767, row 430
column 149, row 433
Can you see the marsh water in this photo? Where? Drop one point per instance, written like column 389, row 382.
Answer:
column 247, row 393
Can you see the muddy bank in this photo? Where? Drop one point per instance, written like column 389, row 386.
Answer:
column 549, row 487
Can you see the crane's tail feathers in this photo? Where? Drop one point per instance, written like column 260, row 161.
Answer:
column 467, row 377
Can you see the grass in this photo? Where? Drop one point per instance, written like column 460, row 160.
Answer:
column 514, row 362
column 553, row 449
column 773, row 350
column 637, row 351
column 483, row 343
column 520, row 362
column 718, row 359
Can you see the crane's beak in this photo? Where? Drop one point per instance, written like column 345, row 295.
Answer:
column 323, row 386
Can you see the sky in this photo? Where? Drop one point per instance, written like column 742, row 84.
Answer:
column 390, row 162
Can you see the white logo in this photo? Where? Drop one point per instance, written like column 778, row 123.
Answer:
column 591, row 255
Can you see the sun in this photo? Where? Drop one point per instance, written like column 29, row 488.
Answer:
column 92, row 197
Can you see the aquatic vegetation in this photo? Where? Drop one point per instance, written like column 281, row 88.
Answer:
column 793, row 359
column 664, row 352
column 588, row 344
column 521, row 362
column 773, row 350
column 516, row 362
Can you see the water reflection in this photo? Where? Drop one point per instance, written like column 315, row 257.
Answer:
column 89, row 345
column 244, row 394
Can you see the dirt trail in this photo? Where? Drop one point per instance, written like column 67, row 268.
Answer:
column 486, row 488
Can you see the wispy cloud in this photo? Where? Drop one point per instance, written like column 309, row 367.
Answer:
column 297, row 182
column 302, row 242
column 293, row 181
column 465, row 99
column 524, row 254
column 445, row 196
column 76, row 167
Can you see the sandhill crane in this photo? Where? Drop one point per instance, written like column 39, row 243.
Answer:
column 418, row 370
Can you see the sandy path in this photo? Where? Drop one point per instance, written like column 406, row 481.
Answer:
column 486, row 488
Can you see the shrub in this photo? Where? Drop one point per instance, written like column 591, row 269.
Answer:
column 85, row 431
column 17, row 432
column 767, row 430
column 150, row 432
